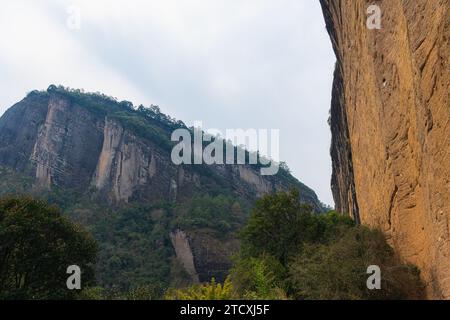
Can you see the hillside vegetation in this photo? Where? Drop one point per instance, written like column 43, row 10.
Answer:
column 107, row 165
column 288, row 252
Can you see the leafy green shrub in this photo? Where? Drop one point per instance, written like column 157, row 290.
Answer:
column 92, row 293
column 288, row 248
column 12, row 183
column 259, row 278
column 337, row 270
column 279, row 224
column 135, row 249
column 37, row 245
column 222, row 213
column 208, row 291
column 146, row 292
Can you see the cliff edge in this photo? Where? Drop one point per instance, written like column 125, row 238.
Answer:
column 390, row 125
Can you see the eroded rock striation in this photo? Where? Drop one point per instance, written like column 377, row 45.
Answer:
column 62, row 143
column 390, row 124
column 104, row 162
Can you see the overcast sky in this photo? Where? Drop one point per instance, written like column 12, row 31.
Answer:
column 263, row 64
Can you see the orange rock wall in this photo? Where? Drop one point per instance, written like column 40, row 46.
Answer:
column 390, row 123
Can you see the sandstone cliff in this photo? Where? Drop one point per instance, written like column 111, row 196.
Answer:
column 65, row 143
column 390, row 124
column 105, row 162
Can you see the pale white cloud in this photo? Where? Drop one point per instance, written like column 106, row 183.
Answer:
column 230, row 63
column 36, row 51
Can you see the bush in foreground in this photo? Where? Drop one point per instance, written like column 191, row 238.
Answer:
column 207, row 291
column 37, row 245
column 289, row 251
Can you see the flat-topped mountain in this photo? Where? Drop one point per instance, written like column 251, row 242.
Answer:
column 108, row 165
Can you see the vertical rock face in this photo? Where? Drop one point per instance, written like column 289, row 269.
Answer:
column 109, row 163
column 18, row 127
column 183, row 252
column 390, row 123
column 62, row 141
column 123, row 164
column 251, row 177
column 66, row 147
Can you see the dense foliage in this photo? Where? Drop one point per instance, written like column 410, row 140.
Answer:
column 287, row 248
column 135, row 248
column 37, row 245
column 222, row 213
column 289, row 252
column 337, row 270
column 280, row 224
column 207, row 291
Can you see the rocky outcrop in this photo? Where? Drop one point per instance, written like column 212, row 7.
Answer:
column 106, row 157
column 19, row 127
column 66, row 146
column 255, row 180
column 63, row 143
column 212, row 254
column 72, row 146
column 124, row 163
column 183, row 253
column 390, row 116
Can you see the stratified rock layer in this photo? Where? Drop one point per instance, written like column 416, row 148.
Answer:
column 390, row 123
column 92, row 148
column 61, row 143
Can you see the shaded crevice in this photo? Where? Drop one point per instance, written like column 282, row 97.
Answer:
column 342, row 180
